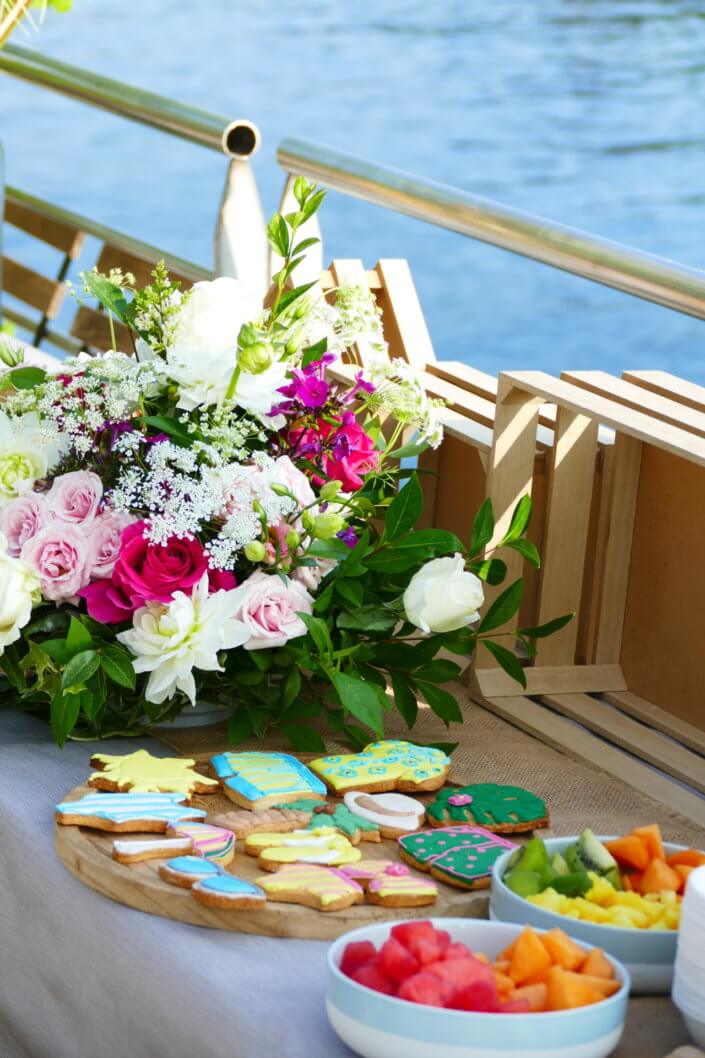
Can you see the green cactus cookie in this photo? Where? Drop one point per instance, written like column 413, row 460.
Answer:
column 501, row 809
column 328, row 814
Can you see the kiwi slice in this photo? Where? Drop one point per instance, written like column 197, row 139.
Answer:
column 524, row 883
column 577, row 883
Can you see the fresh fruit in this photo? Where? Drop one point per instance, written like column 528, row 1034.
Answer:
column 356, row 954
column 658, row 876
column 461, row 973
column 481, row 997
column 606, row 906
column 372, row 977
column 576, row 883
column 524, row 883
column 592, row 854
column 420, row 939
column 685, row 871
column 503, row 982
column 396, row 961
column 535, row 995
column 630, row 851
column 558, row 864
column 566, row 991
column 515, row 1006
column 534, row 856
column 456, row 951
column 654, row 841
column 562, row 950
column 597, row 965
column 686, row 858
column 426, row 988
column 529, row 957
column 600, row 984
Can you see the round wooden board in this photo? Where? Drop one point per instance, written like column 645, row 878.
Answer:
column 88, row 855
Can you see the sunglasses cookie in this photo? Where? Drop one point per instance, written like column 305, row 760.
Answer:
column 322, row 888
column 392, row 884
column 261, row 780
column 461, row 856
column 393, row 813
column 125, row 812
column 385, row 766
column 501, row 809
column 201, row 839
column 323, row 845
column 140, row 772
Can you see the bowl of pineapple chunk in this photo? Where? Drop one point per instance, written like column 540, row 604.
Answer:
column 620, row 894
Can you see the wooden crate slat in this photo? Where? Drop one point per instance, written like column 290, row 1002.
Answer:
column 55, row 233
column 668, row 385
column 404, row 323
column 481, row 384
column 650, row 746
column 142, row 268
column 350, row 272
column 554, row 679
column 33, row 289
column 640, row 709
column 372, row 279
column 567, row 519
column 575, row 742
column 669, row 411
column 458, row 399
column 93, row 330
column 636, row 424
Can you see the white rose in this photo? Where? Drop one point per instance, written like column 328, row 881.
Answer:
column 259, row 393
column 202, row 353
column 29, row 449
column 18, row 585
column 443, row 596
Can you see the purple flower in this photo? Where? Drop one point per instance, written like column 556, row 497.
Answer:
column 360, row 384
column 348, row 536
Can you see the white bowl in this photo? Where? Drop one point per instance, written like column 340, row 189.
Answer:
column 693, row 1017
column 380, row 1026
column 648, row 954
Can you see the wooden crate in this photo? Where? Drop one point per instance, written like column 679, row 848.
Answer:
column 617, row 672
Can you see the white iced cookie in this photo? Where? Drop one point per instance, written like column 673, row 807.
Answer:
column 394, row 813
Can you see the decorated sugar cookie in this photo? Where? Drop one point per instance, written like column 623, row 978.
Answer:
column 338, row 815
column 461, row 856
column 501, row 809
column 140, row 772
column 185, row 871
column 201, row 839
column 321, row 845
column 392, row 884
column 267, row 820
column 382, row 766
column 127, row 811
column 228, row 893
column 259, row 780
column 323, row 888
column 393, row 813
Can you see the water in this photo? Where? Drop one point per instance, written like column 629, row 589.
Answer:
column 586, row 111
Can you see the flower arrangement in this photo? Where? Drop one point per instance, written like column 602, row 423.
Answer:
column 216, row 519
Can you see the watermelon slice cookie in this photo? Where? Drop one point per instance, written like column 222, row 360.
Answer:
column 501, row 809
column 461, row 856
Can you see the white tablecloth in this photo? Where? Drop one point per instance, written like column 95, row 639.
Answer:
column 84, row 977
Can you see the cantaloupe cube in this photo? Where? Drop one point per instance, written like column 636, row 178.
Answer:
column 630, row 851
column 505, row 984
column 684, row 870
column 502, row 965
column 536, row 995
column 601, row 985
column 627, row 883
column 566, row 991
column 654, row 841
column 658, row 877
column 597, row 965
column 538, row 979
column 562, row 950
column 687, row 858
column 507, row 953
column 529, row 956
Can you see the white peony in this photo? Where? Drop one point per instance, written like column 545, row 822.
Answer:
column 29, row 449
column 19, row 584
column 443, row 596
column 259, row 393
column 202, row 353
column 169, row 641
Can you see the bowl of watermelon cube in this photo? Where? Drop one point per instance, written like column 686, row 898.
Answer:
column 473, row 989
column 621, row 894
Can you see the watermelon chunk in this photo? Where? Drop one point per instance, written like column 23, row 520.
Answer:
column 463, row 973
column 444, row 939
column 371, row 976
column 356, row 954
column 396, row 961
column 515, row 1006
column 457, row 951
column 481, row 997
column 426, row 988
column 406, row 932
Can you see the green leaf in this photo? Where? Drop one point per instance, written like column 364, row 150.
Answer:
column 360, row 699
column 65, row 709
column 292, row 295
column 312, row 204
column 527, row 550
column 172, row 428
column 350, row 590
column 367, row 619
column 442, row 702
column 118, row 667
column 482, row 529
column 26, row 377
column 504, row 607
column 56, row 621
column 314, row 352
column 547, row 629
column 304, row 738
column 80, row 669
column 509, row 661
column 57, row 650
column 520, row 520
column 318, row 630
column 328, row 549
column 78, row 638
column 302, row 189
column 239, row 726
column 304, row 245
column 438, row 671
column 414, row 549
column 38, row 661
column 109, row 294
column 323, row 600
column 404, row 510
column 278, row 235
column 492, row 570
column 404, row 699
column 409, row 451
column 10, row 666
column 291, row 687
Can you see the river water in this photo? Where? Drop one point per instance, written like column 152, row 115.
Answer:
column 589, row 112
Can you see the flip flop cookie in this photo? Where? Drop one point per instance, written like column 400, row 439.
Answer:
column 260, row 780
column 322, row 888
column 140, row 772
column 126, row 812
column 384, row 766
column 393, row 813
column 461, row 856
column 323, row 845
column 392, row 884
column 501, row 809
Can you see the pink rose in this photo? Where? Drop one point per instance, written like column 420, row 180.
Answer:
column 59, row 554
column 149, row 572
column 104, row 539
column 349, row 452
column 221, row 580
column 285, row 473
column 75, row 497
column 107, row 603
column 21, row 519
column 268, row 606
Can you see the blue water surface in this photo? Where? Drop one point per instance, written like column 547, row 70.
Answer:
column 586, row 111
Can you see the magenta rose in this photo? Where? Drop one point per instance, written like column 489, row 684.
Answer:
column 107, row 603
column 148, row 572
column 350, row 452
column 104, row 541
column 21, row 519
column 59, row 554
column 75, row 497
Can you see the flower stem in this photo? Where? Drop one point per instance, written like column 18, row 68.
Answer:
column 232, row 385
